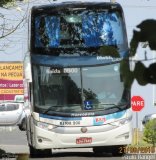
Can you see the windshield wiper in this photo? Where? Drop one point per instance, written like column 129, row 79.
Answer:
column 114, row 105
column 51, row 108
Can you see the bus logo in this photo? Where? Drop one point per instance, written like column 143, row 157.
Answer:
column 99, row 120
column 83, row 129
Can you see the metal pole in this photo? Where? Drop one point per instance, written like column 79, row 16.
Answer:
column 137, row 128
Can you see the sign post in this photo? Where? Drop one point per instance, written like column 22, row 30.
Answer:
column 137, row 103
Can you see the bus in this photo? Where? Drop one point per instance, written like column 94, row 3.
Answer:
column 75, row 76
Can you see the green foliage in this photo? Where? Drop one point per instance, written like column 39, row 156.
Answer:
column 127, row 75
column 150, row 132
column 1, row 152
column 109, row 51
column 5, row 2
column 139, row 73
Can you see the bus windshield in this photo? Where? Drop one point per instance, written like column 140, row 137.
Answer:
column 78, row 89
column 78, row 29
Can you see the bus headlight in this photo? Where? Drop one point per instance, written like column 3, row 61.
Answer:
column 123, row 121
column 44, row 125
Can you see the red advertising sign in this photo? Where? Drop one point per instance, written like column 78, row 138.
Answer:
column 11, row 80
column 137, row 103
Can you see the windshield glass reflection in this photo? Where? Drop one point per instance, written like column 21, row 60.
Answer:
column 79, row 29
column 77, row 89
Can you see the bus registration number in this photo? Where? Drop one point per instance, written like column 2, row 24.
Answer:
column 83, row 140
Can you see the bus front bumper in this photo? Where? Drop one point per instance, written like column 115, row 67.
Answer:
column 44, row 139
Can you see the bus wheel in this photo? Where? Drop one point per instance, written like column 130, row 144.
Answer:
column 98, row 150
column 22, row 126
column 36, row 153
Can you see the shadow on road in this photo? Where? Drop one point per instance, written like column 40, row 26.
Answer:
column 71, row 155
column 81, row 154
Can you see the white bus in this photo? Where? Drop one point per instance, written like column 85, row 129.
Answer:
column 78, row 92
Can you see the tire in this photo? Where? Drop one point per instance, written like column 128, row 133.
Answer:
column 37, row 153
column 22, row 126
column 98, row 150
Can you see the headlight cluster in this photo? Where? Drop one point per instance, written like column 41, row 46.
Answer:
column 44, row 125
column 122, row 121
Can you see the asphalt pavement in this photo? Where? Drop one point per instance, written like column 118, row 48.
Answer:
column 12, row 140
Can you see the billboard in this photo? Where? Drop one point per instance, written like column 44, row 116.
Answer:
column 11, row 80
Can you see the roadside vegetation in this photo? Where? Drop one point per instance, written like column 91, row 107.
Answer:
column 2, row 152
column 149, row 134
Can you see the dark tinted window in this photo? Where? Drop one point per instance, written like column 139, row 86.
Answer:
column 89, row 29
column 54, row 31
column 12, row 107
column 2, row 107
column 71, row 89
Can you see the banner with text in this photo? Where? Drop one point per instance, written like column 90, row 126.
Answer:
column 11, row 80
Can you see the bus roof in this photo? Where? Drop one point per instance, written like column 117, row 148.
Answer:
column 74, row 4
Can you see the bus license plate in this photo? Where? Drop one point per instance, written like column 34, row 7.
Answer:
column 83, row 140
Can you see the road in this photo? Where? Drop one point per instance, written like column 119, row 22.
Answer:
column 12, row 135
column 12, row 140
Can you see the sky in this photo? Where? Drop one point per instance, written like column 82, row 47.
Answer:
column 135, row 12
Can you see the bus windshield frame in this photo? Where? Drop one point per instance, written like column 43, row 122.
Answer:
column 95, row 46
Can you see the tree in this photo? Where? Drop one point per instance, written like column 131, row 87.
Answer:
column 150, row 132
column 4, row 2
column 4, row 29
column 147, row 36
column 12, row 17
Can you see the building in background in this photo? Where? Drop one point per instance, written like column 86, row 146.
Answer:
column 11, row 81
